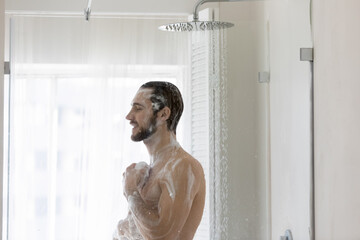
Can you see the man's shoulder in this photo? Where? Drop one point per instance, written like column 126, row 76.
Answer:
column 193, row 161
column 183, row 162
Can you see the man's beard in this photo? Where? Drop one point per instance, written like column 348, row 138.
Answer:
column 145, row 133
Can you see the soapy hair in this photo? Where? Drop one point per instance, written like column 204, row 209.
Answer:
column 166, row 94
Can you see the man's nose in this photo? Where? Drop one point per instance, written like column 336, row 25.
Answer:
column 128, row 116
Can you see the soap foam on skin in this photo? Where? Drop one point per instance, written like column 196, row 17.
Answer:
column 165, row 149
column 170, row 184
column 132, row 208
column 130, row 230
column 143, row 166
column 149, row 222
column 171, row 164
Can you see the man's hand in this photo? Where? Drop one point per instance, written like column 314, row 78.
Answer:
column 135, row 178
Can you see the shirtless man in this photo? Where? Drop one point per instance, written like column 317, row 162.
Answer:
column 166, row 199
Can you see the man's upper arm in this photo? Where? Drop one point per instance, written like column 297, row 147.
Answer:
column 178, row 189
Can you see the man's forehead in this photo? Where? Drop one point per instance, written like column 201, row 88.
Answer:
column 144, row 91
column 142, row 95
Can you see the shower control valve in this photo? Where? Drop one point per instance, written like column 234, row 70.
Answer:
column 287, row 236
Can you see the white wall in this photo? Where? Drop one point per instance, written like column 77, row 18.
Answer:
column 289, row 24
column 337, row 118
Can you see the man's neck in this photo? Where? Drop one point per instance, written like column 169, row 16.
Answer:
column 160, row 142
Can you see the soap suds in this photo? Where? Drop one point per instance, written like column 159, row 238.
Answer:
column 127, row 230
column 144, row 170
column 191, row 181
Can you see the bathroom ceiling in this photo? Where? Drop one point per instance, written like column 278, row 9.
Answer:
column 103, row 6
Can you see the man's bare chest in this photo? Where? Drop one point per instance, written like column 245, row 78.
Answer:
column 151, row 191
column 160, row 175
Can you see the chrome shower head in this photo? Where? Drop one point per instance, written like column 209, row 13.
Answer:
column 195, row 26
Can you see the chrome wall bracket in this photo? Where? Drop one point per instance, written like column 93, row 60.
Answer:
column 7, row 68
column 307, row 54
column 264, row 77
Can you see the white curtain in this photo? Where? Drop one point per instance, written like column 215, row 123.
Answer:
column 71, row 86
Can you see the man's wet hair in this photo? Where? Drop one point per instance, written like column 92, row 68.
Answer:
column 166, row 94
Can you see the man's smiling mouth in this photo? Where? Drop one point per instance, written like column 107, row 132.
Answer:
column 134, row 124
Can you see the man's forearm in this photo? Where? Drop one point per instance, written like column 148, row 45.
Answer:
column 126, row 229
column 150, row 224
column 147, row 216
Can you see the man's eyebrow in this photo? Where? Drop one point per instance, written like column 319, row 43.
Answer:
column 137, row 104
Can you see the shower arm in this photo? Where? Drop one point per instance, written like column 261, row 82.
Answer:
column 196, row 8
column 87, row 10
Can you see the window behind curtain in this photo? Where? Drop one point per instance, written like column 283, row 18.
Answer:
column 69, row 146
column 71, row 86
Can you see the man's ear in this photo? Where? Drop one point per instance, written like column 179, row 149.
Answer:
column 165, row 113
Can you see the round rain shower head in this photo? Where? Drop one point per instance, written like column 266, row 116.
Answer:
column 195, row 26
